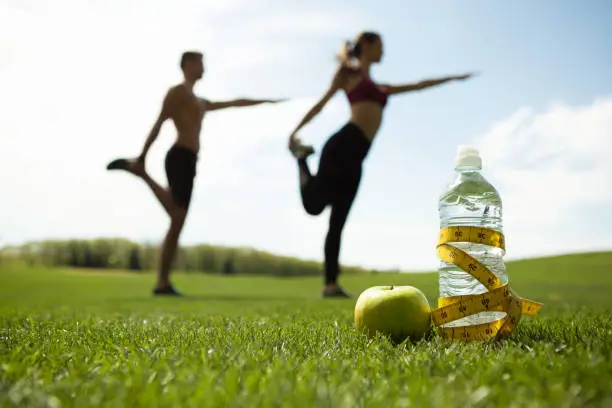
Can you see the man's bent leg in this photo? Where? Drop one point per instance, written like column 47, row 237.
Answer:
column 137, row 168
column 162, row 194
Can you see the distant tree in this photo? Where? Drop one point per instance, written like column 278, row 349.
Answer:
column 89, row 260
column 134, row 261
column 120, row 253
column 228, row 267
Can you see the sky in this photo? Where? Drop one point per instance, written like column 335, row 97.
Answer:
column 81, row 83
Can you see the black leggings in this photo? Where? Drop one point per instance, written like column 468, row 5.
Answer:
column 335, row 184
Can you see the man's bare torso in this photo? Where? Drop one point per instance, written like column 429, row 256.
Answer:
column 187, row 112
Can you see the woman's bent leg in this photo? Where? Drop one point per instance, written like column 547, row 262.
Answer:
column 316, row 189
column 310, row 190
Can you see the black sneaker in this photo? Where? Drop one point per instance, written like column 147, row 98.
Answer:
column 130, row 165
column 168, row 291
column 118, row 164
column 335, row 293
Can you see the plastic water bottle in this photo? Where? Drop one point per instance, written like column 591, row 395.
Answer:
column 470, row 200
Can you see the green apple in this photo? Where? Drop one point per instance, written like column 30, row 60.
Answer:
column 397, row 312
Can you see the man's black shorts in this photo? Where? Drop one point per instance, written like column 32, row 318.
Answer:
column 181, row 170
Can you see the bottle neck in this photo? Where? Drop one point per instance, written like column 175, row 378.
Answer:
column 468, row 169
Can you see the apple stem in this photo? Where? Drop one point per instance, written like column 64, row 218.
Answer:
column 391, row 287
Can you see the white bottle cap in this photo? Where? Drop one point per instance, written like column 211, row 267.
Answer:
column 468, row 156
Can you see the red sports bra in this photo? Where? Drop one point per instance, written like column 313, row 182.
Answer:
column 367, row 90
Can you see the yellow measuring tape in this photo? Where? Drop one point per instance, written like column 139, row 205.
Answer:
column 499, row 298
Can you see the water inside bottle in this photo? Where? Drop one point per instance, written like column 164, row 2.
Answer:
column 470, row 200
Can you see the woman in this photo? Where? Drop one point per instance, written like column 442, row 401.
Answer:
column 337, row 180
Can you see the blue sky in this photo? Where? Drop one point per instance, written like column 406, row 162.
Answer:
column 82, row 83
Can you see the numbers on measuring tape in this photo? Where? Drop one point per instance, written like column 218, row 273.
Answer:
column 485, row 302
column 502, row 297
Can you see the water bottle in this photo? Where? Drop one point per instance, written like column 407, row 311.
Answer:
column 470, row 200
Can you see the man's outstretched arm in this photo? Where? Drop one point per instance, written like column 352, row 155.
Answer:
column 238, row 103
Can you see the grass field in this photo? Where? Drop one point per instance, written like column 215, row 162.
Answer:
column 81, row 338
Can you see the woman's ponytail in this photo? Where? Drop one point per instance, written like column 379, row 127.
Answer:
column 347, row 53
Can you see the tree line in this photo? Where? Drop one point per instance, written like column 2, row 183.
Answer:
column 118, row 253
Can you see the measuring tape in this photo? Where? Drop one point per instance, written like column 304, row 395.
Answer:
column 499, row 298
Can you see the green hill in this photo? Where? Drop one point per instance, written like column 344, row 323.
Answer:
column 101, row 339
column 118, row 253
column 565, row 281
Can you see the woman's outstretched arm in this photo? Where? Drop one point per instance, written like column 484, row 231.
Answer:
column 428, row 83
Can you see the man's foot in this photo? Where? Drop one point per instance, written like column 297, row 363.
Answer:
column 133, row 166
column 335, row 292
column 167, row 290
column 299, row 150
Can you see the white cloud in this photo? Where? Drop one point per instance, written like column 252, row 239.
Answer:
column 549, row 167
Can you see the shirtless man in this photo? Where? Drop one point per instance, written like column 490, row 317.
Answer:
column 186, row 110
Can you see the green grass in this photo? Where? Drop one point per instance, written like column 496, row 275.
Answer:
column 82, row 338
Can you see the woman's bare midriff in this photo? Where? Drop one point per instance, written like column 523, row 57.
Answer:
column 368, row 117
